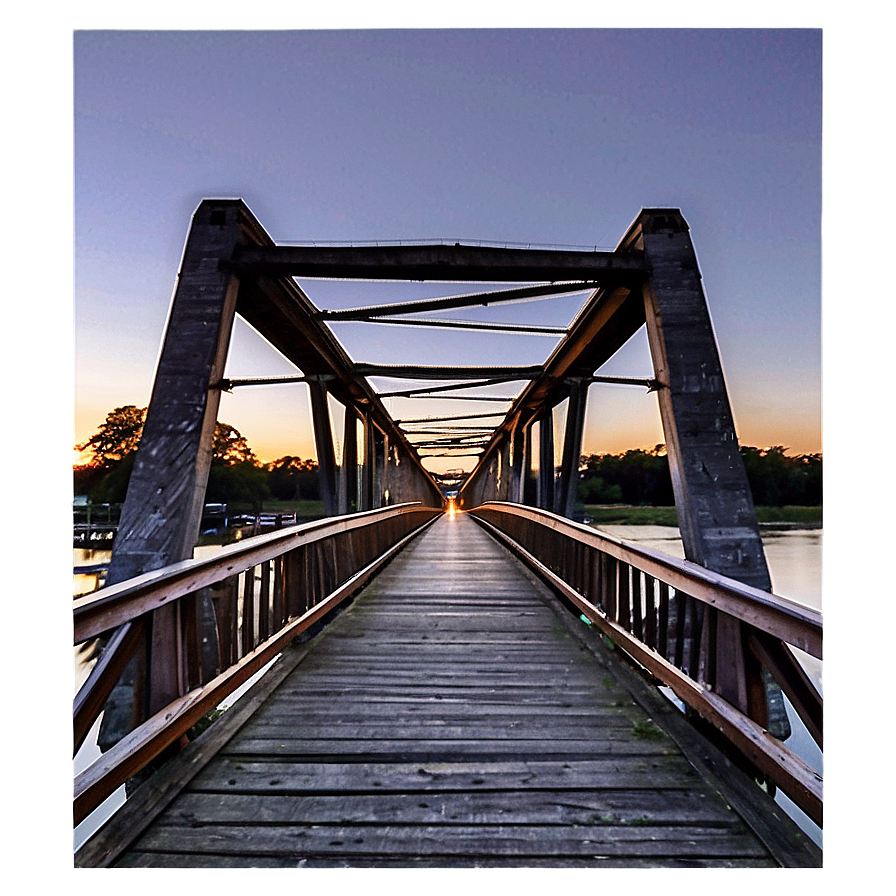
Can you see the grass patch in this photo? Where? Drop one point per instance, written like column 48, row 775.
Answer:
column 646, row 730
column 810, row 516
column 628, row 515
column 302, row 509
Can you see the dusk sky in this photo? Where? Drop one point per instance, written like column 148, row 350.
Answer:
column 543, row 137
column 548, row 137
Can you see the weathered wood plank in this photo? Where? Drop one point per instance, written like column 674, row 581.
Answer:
column 584, row 806
column 418, row 748
column 438, row 735
column 179, row 860
column 231, row 774
column 521, row 841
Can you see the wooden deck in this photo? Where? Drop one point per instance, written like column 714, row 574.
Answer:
column 454, row 715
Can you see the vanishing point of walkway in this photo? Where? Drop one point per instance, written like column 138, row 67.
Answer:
column 455, row 715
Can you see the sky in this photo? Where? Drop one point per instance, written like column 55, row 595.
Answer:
column 510, row 136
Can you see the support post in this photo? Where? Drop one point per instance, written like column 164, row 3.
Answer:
column 323, row 440
column 715, row 508
column 572, row 446
column 518, row 441
column 368, row 469
column 166, row 492
column 349, row 496
column 379, row 467
column 529, row 485
column 546, row 461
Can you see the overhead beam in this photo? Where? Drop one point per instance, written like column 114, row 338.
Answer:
column 437, row 262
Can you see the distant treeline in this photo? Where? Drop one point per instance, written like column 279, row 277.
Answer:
column 642, row 477
column 235, row 477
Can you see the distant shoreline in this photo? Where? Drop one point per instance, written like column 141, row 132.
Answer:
column 770, row 518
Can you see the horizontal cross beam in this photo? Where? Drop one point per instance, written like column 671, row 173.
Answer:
column 438, row 262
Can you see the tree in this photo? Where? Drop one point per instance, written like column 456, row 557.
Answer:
column 235, row 474
column 292, row 478
column 117, row 437
column 642, row 477
column 229, row 447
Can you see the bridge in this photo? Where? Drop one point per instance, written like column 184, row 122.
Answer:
column 447, row 670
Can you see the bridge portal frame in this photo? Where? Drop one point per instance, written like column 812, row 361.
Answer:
column 231, row 266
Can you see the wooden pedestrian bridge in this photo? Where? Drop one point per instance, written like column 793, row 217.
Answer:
column 428, row 681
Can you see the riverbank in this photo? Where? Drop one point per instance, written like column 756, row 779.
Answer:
column 789, row 517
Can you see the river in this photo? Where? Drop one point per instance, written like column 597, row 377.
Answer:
column 794, row 558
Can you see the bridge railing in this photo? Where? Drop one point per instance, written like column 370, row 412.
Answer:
column 254, row 597
column 666, row 613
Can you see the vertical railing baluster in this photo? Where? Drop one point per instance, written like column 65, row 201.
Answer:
column 623, row 602
column 225, row 596
column 293, row 588
column 694, row 633
column 637, row 626
column 595, row 594
column 677, row 621
column 650, row 611
column 662, row 623
column 611, row 586
column 710, row 630
column 190, row 637
column 248, row 611
column 274, row 584
column 264, row 604
column 317, row 589
column 233, row 632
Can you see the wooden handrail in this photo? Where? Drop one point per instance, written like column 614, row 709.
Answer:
column 144, row 743
column 316, row 566
column 106, row 609
column 601, row 594
column 794, row 623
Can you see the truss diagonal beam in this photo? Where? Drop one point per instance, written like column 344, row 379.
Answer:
column 449, row 417
column 502, row 398
column 427, row 390
column 467, row 300
column 422, row 372
column 486, row 326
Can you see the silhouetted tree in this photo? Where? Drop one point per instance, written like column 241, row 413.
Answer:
column 294, row 479
column 642, row 477
column 117, row 437
column 235, row 474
